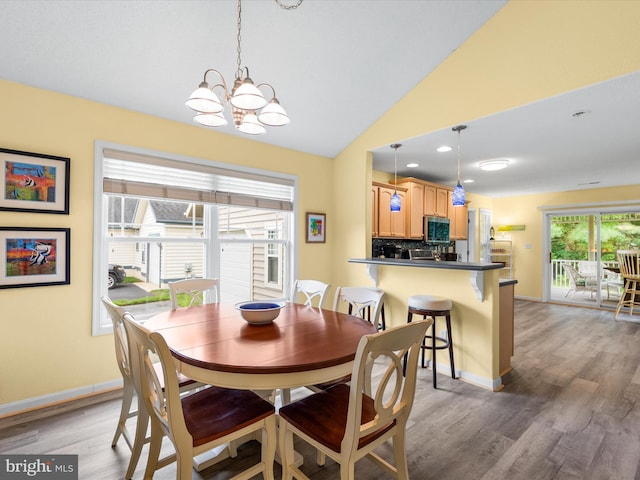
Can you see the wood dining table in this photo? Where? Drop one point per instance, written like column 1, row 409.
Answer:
column 304, row 345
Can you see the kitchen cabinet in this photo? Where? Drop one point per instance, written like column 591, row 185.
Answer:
column 391, row 224
column 458, row 220
column 436, row 200
column 415, row 208
column 374, row 211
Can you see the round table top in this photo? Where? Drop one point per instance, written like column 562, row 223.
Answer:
column 302, row 338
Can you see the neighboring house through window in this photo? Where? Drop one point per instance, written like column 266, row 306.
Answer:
column 164, row 218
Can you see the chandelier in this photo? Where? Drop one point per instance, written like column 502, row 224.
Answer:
column 458, row 197
column 249, row 108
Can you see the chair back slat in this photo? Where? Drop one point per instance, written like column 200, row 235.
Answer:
column 161, row 395
column 119, row 336
column 311, row 290
column 629, row 263
column 392, row 392
column 196, row 290
column 364, row 302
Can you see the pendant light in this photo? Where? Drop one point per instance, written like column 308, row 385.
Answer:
column 395, row 198
column 457, row 197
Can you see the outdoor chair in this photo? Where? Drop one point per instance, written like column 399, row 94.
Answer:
column 579, row 282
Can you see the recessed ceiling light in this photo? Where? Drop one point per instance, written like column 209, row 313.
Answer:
column 444, row 148
column 412, row 165
column 497, row 164
column 468, row 180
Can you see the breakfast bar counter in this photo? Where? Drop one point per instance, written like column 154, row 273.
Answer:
column 481, row 342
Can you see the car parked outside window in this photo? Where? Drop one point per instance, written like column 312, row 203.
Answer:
column 117, row 274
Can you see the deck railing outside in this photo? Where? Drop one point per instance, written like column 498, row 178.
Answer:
column 561, row 280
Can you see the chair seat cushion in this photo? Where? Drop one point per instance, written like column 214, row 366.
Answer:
column 429, row 302
column 235, row 409
column 323, row 416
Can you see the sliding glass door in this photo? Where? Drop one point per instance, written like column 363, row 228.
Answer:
column 582, row 249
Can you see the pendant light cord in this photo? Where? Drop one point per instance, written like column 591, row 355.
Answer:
column 395, row 146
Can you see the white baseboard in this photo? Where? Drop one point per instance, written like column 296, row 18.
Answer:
column 483, row 382
column 58, row 397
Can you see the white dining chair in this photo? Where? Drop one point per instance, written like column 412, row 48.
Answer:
column 310, row 291
column 195, row 290
column 195, row 423
column 346, row 424
column 123, row 358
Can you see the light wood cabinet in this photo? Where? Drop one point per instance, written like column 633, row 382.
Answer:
column 442, row 202
column 374, row 211
column 391, row 224
column 414, row 210
column 458, row 220
column 435, row 200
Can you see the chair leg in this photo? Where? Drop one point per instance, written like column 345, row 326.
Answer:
column 184, row 465
column 142, row 424
column 450, row 341
column 433, row 352
column 269, row 442
column 125, row 409
column 400, row 455
column 622, row 297
column 155, row 444
column 286, row 450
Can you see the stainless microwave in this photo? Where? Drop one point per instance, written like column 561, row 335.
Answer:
column 436, row 229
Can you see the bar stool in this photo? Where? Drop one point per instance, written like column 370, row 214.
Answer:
column 433, row 306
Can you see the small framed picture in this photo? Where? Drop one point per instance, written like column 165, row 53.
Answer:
column 34, row 257
column 316, row 227
column 34, row 182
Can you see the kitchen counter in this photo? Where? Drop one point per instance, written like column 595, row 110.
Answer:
column 481, row 315
column 476, row 269
column 405, row 262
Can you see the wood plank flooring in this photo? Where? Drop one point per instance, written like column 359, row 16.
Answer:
column 570, row 409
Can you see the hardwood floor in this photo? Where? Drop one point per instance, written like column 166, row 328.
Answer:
column 570, row 409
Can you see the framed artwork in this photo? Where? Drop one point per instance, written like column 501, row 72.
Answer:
column 316, row 227
column 34, row 182
column 34, row 257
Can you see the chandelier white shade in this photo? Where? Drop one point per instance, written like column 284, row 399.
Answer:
column 245, row 99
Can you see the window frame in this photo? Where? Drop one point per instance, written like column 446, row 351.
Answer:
column 100, row 323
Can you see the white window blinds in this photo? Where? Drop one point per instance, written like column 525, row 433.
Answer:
column 128, row 173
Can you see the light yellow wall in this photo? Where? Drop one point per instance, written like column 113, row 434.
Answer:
column 530, row 50
column 45, row 337
column 528, row 210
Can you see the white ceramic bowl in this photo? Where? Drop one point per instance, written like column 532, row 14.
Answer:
column 259, row 312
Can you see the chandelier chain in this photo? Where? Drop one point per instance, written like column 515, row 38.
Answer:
column 239, row 36
column 289, row 7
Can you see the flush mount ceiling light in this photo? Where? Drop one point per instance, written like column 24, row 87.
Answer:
column 497, row 164
column 457, row 196
column 395, row 198
column 249, row 109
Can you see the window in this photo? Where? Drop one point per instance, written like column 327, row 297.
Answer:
column 165, row 218
column 273, row 275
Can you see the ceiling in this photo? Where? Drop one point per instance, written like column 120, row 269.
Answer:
column 587, row 138
column 336, row 66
